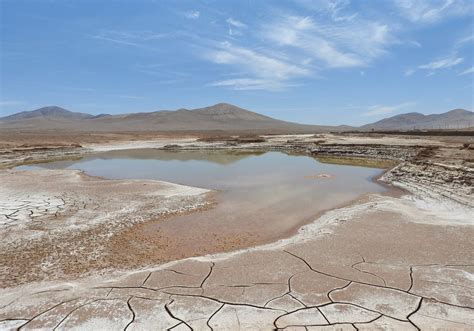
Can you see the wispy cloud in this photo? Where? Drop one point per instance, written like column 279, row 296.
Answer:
column 236, row 23
column 114, row 40
column 443, row 63
column 464, row 41
column 377, row 110
column 431, row 11
column 192, row 14
column 250, row 84
column 130, row 38
column 467, row 71
column 235, row 27
column 338, row 10
column 265, row 70
column 292, row 46
column 415, row 43
column 438, row 64
column 334, row 45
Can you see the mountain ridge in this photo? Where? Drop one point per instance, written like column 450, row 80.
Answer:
column 220, row 117
column 48, row 111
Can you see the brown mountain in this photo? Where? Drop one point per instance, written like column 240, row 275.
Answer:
column 50, row 112
column 454, row 119
column 219, row 117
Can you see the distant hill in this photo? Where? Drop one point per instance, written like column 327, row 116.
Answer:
column 454, row 119
column 51, row 112
column 219, row 117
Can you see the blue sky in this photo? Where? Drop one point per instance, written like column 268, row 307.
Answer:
column 321, row 62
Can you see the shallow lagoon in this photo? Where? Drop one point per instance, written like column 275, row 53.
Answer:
column 261, row 196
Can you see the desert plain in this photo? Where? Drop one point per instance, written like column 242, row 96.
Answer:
column 74, row 254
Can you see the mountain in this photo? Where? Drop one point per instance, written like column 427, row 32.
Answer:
column 219, row 117
column 454, row 119
column 51, row 112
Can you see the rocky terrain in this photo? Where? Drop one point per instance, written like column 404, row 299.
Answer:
column 394, row 261
column 398, row 153
column 32, row 154
column 435, row 180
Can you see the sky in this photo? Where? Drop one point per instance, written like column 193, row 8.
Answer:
column 319, row 62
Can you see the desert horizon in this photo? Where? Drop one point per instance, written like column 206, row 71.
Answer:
column 222, row 112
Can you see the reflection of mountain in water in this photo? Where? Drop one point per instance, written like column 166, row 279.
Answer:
column 218, row 156
column 359, row 162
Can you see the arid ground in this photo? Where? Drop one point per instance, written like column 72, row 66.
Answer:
column 74, row 254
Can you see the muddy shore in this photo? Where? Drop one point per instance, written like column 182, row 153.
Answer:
column 415, row 249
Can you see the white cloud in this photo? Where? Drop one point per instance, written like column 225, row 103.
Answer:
column 261, row 64
column 295, row 46
column 235, row 27
column 192, row 14
column 332, row 36
column 333, row 45
column 236, row 23
column 431, row 11
column 439, row 64
column 250, row 84
column 465, row 40
column 415, row 43
column 467, row 71
column 266, row 70
column 442, row 63
column 385, row 110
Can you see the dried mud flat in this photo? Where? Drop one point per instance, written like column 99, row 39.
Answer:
column 59, row 223
column 384, row 262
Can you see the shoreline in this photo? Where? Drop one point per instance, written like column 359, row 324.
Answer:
column 209, row 249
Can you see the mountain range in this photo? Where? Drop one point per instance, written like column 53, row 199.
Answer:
column 219, row 117
column 454, row 119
